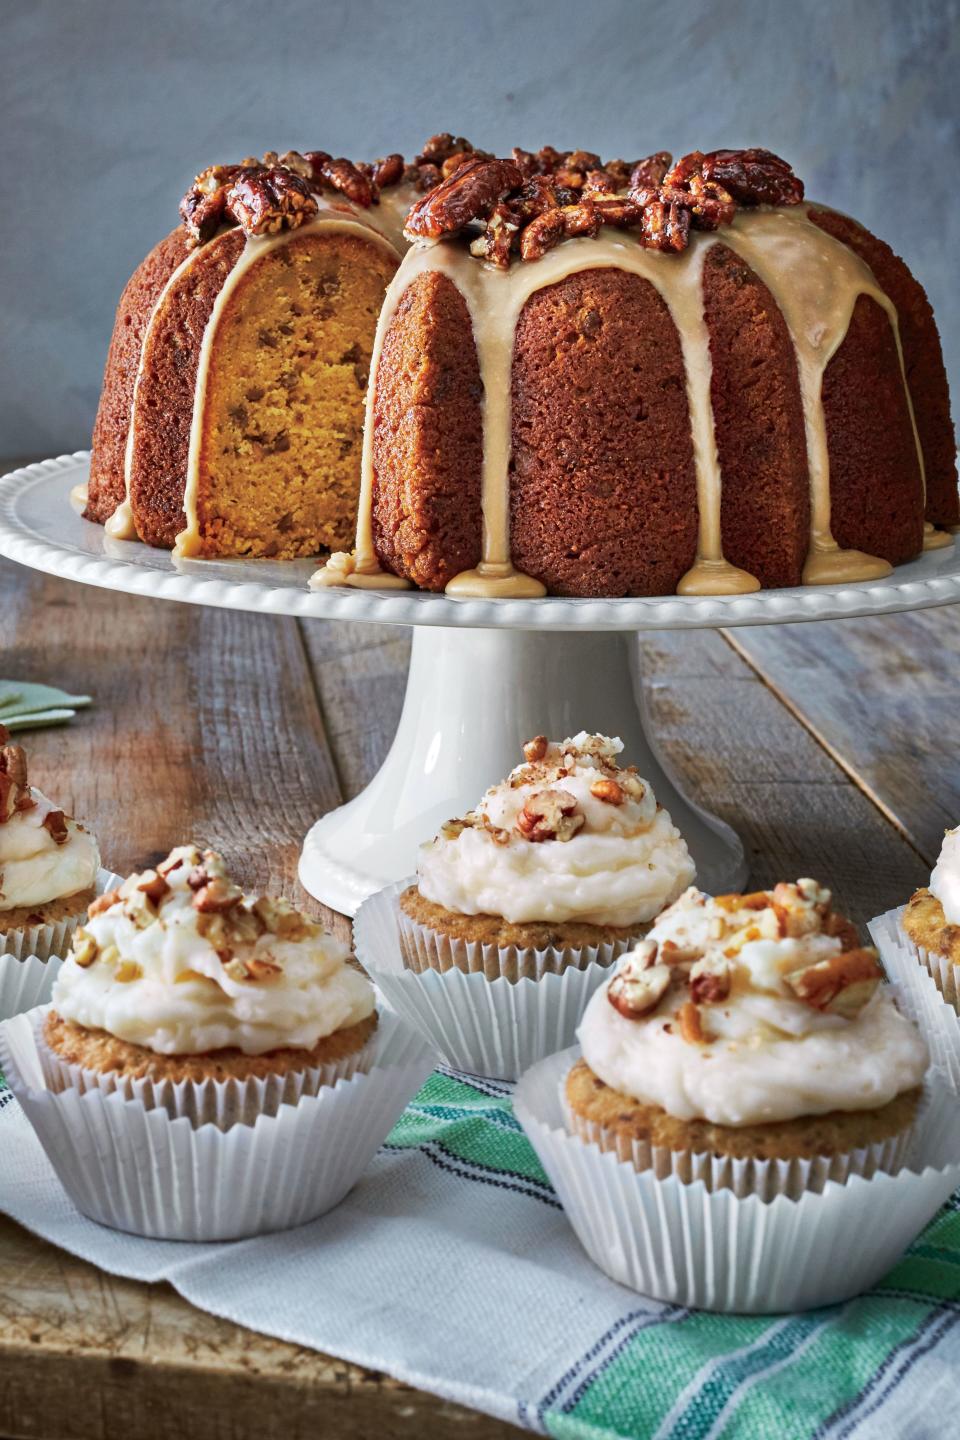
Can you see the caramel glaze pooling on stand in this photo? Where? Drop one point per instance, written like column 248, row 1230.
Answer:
column 815, row 280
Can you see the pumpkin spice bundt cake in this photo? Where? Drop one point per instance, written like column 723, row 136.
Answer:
column 637, row 379
column 586, row 379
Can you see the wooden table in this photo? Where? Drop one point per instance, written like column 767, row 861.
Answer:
column 832, row 747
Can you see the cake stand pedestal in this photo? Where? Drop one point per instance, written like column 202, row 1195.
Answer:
column 473, row 697
column 485, row 675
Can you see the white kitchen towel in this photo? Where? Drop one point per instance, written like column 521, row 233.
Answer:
column 452, row 1266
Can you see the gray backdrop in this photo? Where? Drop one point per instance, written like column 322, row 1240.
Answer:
column 109, row 108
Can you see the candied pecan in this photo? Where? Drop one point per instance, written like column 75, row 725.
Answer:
column 649, row 172
column 535, row 749
column 601, row 182
column 535, row 196
column 571, row 179
column 470, row 194
column 753, row 177
column 679, row 174
column 541, row 235
column 580, row 219
column 665, row 227
column 202, row 215
column 710, row 205
column 55, row 824
column 498, row 239
column 583, row 160
column 14, row 784
column 525, row 161
column 608, row 791
column 616, row 210
column 549, row 160
column 344, row 176
column 293, row 160
column 266, row 201
column 422, row 177
column 388, row 171
column 440, row 147
column 550, row 815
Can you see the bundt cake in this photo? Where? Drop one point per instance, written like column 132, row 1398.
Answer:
column 231, row 415
column 631, row 380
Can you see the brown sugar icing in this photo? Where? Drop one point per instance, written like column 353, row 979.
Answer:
column 815, row 280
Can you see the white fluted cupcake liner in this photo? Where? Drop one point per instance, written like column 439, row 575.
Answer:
column 926, row 990
column 209, row 1102
column 764, row 1178
column 42, row 941
column 425, row 949
column 487, row 1027
column 714, row 1250
column 141, row 1171
column 25, row 983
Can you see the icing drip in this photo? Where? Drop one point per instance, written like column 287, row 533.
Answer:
column 816, row 282
column 79, row 496
column 934, row 539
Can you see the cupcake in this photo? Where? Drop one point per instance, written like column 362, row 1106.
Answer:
column 184, row 993
column 749, row 1042
column 932, row 919
column 567, row 859
column 48, row 864
column 520, row 907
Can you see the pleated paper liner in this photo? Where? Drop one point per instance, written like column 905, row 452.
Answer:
column 486, row 1026
column 223, row 1103
column 42, row 941
column 716, row 1250
column 927, row 989
column 139, row 1170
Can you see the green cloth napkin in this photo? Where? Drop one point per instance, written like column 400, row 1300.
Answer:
column 24, row 706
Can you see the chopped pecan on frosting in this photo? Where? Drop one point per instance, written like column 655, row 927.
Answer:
column 703, row 966
column 524, row 206
column 15, row 795
column 224, row 915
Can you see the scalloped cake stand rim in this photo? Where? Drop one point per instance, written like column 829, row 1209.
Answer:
column 39, row 528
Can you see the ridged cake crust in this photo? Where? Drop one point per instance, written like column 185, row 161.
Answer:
column 428, row 438
column 603, row 491
column 165, row 398
column 758, row 420
column 922, row 356
column 107, row 484
column 876, row 486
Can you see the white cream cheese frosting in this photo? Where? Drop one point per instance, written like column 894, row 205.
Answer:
column 181, row 962
column 751, row 1014
column 34, row 868
column 570, row 835
column 945, row 879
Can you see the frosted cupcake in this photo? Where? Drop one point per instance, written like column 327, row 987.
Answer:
column 48, row 864
column 932, row 919
column 749, row 1040
column 565, row 861
column 183, row 992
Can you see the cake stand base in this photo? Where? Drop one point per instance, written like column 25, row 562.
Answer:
column 473, row 697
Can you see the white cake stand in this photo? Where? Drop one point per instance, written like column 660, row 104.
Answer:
column 485, row 675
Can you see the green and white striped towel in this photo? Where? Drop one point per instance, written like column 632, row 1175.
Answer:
column 451, row 1266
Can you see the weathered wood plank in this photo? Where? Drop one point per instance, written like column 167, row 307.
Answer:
column 88, row 1356
column 736, row 747
column 881, row 695
column 360, row 673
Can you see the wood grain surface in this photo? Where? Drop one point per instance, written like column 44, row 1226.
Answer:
column 830, row 747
